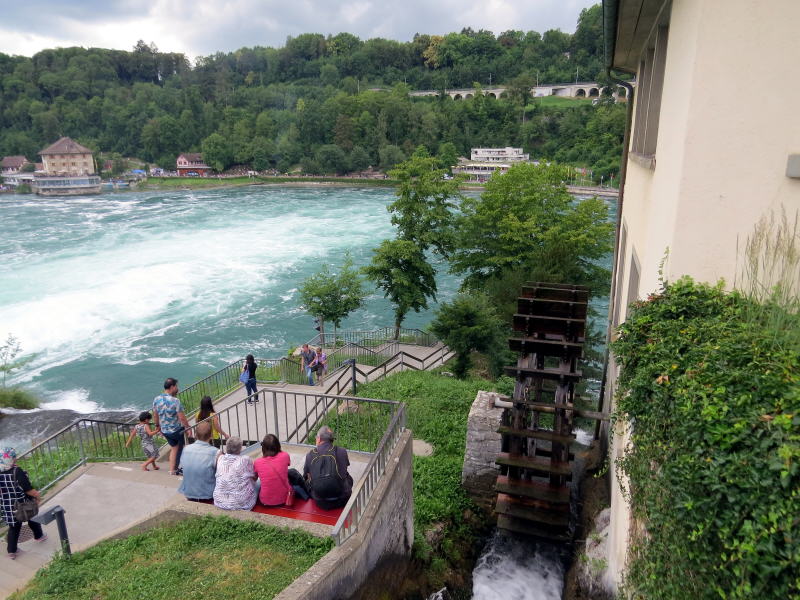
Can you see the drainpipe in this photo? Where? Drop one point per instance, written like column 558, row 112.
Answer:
column 612, row 296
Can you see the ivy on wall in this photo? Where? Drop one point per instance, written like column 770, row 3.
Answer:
column 710, row 389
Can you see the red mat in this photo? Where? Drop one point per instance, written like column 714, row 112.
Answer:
column 302, row 510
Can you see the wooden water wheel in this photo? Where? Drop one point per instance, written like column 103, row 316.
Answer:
column 533, row 488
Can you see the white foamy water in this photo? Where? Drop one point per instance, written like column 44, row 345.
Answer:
column 113, row 293
column 77, row 400
column 522, row 570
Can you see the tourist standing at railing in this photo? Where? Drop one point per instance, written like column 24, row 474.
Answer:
column 308, row 357
column 326, row 473
column 236, row 478
column 15, row 485
column 206, row 411
column 250, row 367
column 320, row 365
column 169, row 418
column 199, row 465
column 275, row 475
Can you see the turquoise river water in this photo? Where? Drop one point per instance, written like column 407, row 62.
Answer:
column 110, row 294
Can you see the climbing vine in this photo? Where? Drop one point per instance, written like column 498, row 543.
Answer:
column 710, row 392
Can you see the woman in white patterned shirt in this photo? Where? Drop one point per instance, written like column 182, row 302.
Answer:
column 235, row 488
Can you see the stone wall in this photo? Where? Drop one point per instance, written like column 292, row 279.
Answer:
column 479, row 472
column 386, row 529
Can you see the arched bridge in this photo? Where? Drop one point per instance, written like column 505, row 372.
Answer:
column 585, row 89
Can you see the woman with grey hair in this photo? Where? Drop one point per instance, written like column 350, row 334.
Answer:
column 235, row 488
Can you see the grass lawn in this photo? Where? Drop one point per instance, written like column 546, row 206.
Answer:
column 436, row 409
column 202, row 557
column 561, row 101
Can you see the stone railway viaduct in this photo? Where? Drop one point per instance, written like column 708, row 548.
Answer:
column 570, row 90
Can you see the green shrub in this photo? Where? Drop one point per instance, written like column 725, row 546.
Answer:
column 17, row 398
column 436, row 411
column 710, row 392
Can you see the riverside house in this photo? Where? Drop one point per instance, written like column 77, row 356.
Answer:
column 191, row 164
column 68, row 170
column 706, row 159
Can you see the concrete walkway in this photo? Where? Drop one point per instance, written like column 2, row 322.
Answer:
column 102, row 499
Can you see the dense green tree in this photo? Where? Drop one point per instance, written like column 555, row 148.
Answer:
column 217, row 152
column 331, row 159
column 359, row 159
column 423, row 210
column 469, row 323
column 400, row 269
column 526, row 220
column 331, row 296
column 390, row 155
column 447, row 155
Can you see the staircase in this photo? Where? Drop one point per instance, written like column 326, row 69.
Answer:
column 533, row 488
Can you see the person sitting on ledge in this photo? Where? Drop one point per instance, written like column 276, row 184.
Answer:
column 236, row 479
column 326, row 473
column 199, row 464
column 275, row 475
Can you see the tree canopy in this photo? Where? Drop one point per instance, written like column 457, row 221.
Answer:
column 332, row 296
column 276, row 106
column 400, row 269
column 526, row 219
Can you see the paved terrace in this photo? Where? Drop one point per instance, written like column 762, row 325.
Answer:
column 103, row 499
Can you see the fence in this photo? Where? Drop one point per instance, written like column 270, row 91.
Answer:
column 349, row 520
column 361, row 425
column 85, row 440
column 374, row 337
column 224, row 381
column 401, row 361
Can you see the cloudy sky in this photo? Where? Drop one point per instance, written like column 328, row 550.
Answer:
column 202, row 27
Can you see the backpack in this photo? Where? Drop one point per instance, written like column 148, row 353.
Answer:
column 325, row 479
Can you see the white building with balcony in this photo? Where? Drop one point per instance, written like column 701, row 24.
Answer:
column 484, row 162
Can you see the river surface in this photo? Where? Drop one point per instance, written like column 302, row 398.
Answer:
column 113, row 293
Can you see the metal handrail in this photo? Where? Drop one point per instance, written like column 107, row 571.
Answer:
column 76, row 444
column 66, row 449
column 383, row 334
column 348, row 521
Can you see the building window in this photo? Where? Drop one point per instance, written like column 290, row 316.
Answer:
column 649, row 88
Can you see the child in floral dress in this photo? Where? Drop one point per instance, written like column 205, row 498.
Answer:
column 146, row 436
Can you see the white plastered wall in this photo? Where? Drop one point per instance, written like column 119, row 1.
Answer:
column 730, row 116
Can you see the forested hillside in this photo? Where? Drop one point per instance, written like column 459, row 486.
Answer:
column 313, row 102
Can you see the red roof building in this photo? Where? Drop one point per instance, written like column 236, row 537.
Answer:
column 191, row 164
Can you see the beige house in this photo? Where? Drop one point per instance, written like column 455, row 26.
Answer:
column 714, row 146
column 67, row 157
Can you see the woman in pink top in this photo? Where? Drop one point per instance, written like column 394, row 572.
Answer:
column 274, row 472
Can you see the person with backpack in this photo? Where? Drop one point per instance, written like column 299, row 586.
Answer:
column 325, row 471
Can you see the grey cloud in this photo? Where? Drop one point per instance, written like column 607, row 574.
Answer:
column 208, row 26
